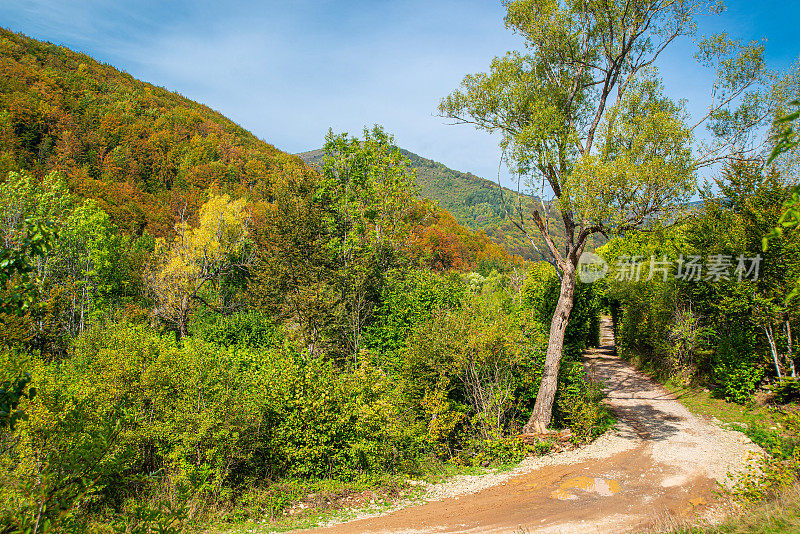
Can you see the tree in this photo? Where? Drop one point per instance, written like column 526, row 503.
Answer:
column 746, row 205
column 583, row 117
column 213, row 253
column 786, row 141
column 89, row 262
column 292, row 276
column 367, row 190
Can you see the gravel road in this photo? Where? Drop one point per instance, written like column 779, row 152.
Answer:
column 661, row 461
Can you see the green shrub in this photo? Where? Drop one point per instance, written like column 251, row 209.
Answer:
column 478, row 365
column 336, row 424
column 579, row 404
column 500, row 449
column 245, row 329
column 767, row 476
column 407, row 300
column 737, row 382
column 131, row 402
column 787, row 390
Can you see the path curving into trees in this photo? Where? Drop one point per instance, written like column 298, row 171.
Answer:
column 660, row 463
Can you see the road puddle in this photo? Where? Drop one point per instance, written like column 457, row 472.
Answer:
column 694, row 506
column 600, row 486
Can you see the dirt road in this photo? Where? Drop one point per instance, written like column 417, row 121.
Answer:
column 660, row 461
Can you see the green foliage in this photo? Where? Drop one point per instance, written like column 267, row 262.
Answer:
column 729, row 333
column 775, row 444
column 11, row 393
column 767, row 477
column 540, row 295
column 250, row 329
column 510, row 449
column 474, row 202
column 327, row 331
column 337, row 425
column 483, row 363
column 27, row 242
column 579, row 406
column 737, row 382
column 164, row 516
column 63, row 454
column 408, row 299
column 17, row 268
column 786, row 137
column 786, row 141
column 787, row 390
column 90, row 262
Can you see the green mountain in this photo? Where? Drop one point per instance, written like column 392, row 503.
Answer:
column 473, row 201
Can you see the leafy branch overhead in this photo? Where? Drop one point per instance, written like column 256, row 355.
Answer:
column 789, row 221
column 582, row 115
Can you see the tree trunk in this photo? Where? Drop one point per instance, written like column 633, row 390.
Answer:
column 543, row 409
column 773, row 349
column 183, row 319
column 790, row 350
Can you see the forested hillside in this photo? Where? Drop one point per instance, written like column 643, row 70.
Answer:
column 144, row 153
column 197, row 328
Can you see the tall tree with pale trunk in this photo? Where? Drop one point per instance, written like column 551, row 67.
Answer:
column 582, row 117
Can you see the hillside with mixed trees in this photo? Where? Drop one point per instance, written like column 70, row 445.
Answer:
column 144, row 153
column 200, row 332
column 194, row 322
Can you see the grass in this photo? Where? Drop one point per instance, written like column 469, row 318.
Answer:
column 278, row 508
column 702, row 402
column 337, row 501
column 781, row 516
column 289, row 505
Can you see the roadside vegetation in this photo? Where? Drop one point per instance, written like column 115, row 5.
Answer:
column 778, row 516
column 725, row 346
column 291, row 340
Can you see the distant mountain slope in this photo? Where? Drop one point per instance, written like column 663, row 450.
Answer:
column 473, row 201
column 144, row 153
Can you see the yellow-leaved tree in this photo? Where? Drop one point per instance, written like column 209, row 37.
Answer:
column 197, row 263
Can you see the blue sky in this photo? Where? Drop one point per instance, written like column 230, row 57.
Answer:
column 289, row 70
